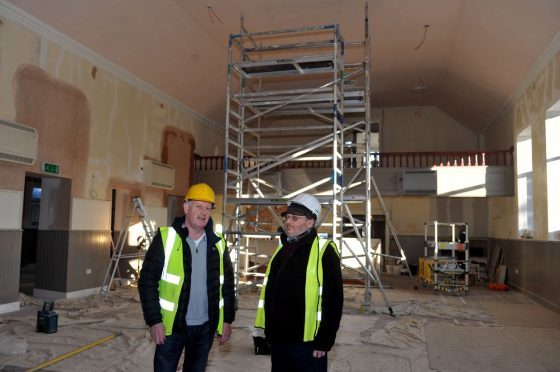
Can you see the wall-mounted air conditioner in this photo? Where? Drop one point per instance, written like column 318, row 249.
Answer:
column 157, row 174
column 419, row 182
column 18, row 143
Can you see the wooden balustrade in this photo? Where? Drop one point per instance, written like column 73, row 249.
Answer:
column 382, row 160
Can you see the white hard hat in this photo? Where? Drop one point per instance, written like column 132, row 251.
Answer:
column 310, row 204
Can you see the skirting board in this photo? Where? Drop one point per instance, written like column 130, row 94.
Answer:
column 9, row 307
column 536, row 297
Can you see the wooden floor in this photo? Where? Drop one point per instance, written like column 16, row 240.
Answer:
column 479, row 331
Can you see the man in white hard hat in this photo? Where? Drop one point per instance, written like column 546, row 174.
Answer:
column 300, row 305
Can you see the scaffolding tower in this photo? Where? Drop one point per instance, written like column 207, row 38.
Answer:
column 297, row 96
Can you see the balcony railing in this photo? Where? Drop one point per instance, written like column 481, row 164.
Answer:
column 382, row 160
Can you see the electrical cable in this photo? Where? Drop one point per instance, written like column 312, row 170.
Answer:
column 423, row 39
column 213, row 14
column 73, row 352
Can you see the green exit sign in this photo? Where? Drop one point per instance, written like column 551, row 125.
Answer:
column 51, row 168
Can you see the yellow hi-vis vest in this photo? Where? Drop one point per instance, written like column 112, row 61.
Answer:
column 313, row 289
column 173, row 276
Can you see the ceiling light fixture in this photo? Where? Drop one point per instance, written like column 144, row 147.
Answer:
column 420, row 88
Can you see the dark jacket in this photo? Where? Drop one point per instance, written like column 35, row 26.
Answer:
column 285, row 294
column 151, row 274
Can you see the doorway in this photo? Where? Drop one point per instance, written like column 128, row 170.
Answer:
column 30, row 226
column 45, row 219
column 377, row 227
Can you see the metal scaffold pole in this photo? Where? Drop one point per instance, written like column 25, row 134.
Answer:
column 367, row 162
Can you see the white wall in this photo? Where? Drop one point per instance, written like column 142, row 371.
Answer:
column 406, row 129
column 91, row 215
column 11, row 201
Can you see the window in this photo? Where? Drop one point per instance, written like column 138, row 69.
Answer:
column 525, row 184
column 553, row 170
column 36, row 193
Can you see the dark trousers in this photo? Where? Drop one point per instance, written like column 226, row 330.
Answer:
column 296, row 358
column 196, row 342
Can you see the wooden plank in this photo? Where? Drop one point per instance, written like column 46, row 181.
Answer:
column 502, row 274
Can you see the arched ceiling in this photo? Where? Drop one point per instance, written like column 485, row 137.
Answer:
column 475, row 54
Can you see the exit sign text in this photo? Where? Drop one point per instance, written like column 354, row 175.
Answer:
column 51, row 168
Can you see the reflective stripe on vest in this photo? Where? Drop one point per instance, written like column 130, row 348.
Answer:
column 313, row 290
column 169, row 243
column 173, row 276
column 221, row 246
column 259, row 321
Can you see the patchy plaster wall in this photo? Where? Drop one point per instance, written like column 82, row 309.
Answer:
column 529, row 110
column 178, row 150
column 17, row 45
column 61, row 115
column 97, row 126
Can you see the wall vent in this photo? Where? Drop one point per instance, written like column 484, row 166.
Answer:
column 18, row 143
column 160, row 175
column 420, row 182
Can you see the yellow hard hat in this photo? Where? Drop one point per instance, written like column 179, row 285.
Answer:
column 202, row 192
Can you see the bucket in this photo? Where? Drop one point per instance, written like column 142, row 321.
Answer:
column 47, row 318
column 498, row 287
column 262, row 347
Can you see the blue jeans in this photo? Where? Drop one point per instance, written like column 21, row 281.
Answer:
column 296, row 358
column 196, row 341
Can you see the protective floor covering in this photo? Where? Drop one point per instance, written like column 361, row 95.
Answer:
column 460, row 348
column 481, row 331
column 544, row 344
column 527, row 315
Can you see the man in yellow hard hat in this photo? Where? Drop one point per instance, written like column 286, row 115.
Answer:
column 186, row 286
